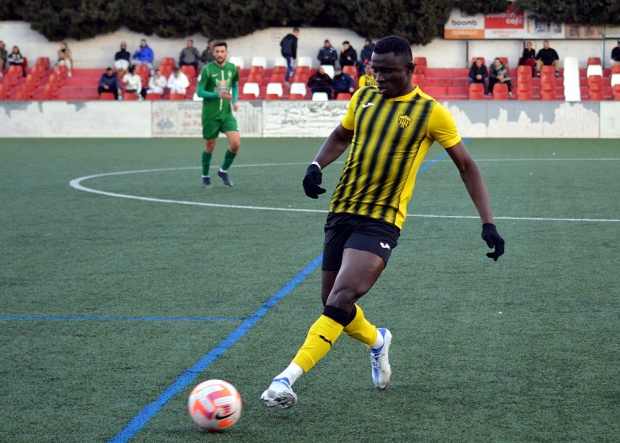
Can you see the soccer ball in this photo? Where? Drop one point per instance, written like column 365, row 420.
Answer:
column 215, row 405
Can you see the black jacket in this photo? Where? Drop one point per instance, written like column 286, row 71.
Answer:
column 289, row 46
column 615, row 54
column 331, row 53
column 123, row 54
column 547, row 56
column 348, row 57
column 475, row 70
column 318, row 79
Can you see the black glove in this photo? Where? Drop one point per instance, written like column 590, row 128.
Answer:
column 312, row 180
column 491, row 236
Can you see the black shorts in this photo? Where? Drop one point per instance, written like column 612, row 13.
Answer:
column 357, row 232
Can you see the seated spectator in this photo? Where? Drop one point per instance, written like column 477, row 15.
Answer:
column 189, row 56
column 109, row 83
column 499, row 74
column 64, row 58
column 3, row 56
column 121, row 60
column 178, row 82
column 615, row 55
column 478, row 74
column 320, row 82
column 348, row 55
column 207, row 55
column 134, row 83
column 547, row 57
column 368, row 79
column 16, row 58
column 157, row 83
column 342, row 82
column 365, row 56
column 144, row 56
column 327, row 54
column 528, row 58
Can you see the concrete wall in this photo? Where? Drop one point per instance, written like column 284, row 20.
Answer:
column 478, row 119
column 97, row 53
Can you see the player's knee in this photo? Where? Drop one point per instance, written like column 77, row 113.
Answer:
column 345, row 298
column 234, row 146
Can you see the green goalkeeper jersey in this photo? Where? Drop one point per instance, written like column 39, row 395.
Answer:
column 213, row 80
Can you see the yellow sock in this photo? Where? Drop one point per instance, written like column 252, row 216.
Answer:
column 361, row 329
column 321, row 337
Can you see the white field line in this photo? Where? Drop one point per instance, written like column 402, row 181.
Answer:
column 76, row 183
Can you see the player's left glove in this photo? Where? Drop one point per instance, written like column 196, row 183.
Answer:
column 492, row 237
column 312, row 180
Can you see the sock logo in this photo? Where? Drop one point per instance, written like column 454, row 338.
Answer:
column 326, row 340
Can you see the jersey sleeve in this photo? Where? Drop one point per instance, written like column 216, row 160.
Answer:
column 348, row 121
column 442, row 128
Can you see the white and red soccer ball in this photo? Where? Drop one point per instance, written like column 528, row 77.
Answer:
column 214, row 405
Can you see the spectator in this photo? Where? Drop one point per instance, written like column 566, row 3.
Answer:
column 529, row 57
column 368, row 79
column 499, row 74
column 121, row 60
column 134, row 83
column 615, row 55
column 327, row 54
column 178, row 82
column 365, row 55
column 547, row 57
column 3, row 56
column 342, row 82
column 478, row 74
column 109, row 83
column 289, row 52
column 16, row 58
column 320, row 82
column 157, row 83
column 207, row 55
column 348, row 56
column 64, row 58
column 144, row 56
column 189, row 56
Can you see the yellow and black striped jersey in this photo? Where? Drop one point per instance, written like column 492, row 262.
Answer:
column 391, row 138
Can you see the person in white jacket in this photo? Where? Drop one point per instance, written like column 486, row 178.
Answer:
column 157, row 83
column 178, row 82
column 134, row 83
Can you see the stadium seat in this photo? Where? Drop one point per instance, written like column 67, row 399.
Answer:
column 275, row 88
column 237, row 61
column 304, row 61
column 177, row 97
column 259, row 61
column 153, row 96
column 44, row 62
column 615, row 80
column 189, row 71
column 278, row 78
column 572, row 91
column 571, row 63
column 277, row 70
column 420, row 61
column 166, row 70
column 38, row 71
column 16, row 70
column 272, row 97
column 20, row 96
column 419, row 80
column 167, row 61
column 33, row 79
column 251, row 91
column 524, row 74
column 4, row 92
column 329, row 70
column 254, row 78
column 296, row 97
column 548, row 96
column 547, row 71
column 500, row 91
column 548, row 88
column 298, row 88
column 351, row 70
column 51, row 89
column 106, row 96
column 504, row 60
column 257, row 71
column 320, row 97
column 420, row 69
column 476, row 91
column 343, row 96
column 594, row 70
column 130, row 96
column 524, row 91
column 615, row 70
column 10, row 81
column 473, row 60
column 594, row 61
column 280, row 62
column 141, row 70
column 616, row 92
column 28, row 89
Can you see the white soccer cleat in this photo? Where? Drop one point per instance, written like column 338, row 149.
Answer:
column 381, row 370
column 279, row 394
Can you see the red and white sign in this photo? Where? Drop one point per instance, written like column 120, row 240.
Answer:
column 508, row 24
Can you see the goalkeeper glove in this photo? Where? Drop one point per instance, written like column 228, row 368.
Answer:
column 492, row 237
column 312, row 180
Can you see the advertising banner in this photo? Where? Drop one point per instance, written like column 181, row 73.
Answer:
column 582, row 31
column 508, row 24
column 612, row 31
column 539, row 29
column 463, row 26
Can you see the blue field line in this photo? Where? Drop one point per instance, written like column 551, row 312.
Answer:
column 74, row 318
column 140, row 419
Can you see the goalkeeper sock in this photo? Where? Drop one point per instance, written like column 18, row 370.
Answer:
column 228, row 159
column 206, row 163
column 292, row 373
column 361, row 329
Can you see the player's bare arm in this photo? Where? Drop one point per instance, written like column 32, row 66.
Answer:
column 337, row 142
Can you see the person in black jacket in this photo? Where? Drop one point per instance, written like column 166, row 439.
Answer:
column 615, row 55
column 289, row 52
column 348, row 55
column 478, row 74
column 547, row 57
column 320, row 82
column 528, row 58
column 327, row 54
column 365, row 56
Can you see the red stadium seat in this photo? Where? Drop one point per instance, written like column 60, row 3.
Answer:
column 418, row 79
column 524, row 91
column 278, row 78
column 130, row 96
column 594, row 61
column 524, row 74
column 106, row 96
column 166, row 70
column 295, row 97
column 168, row 61
column 189, row 71
column 473, row 60
column 61, row 71
column 615, row 69
column 279, row 70
column 16, row 70
column 153, row 96
column 548, row 88
column 548, row 96
column 351, row 70
column 257, row 71
column 272, row 97
column 177, row 96
column 420, row 61
column 476, row 91
column 343, row 96
column 547, row 70
column 500, row 91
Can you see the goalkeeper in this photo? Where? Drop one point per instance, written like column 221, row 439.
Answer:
column 219, row 88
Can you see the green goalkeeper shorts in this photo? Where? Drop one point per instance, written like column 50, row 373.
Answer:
column 212, row 128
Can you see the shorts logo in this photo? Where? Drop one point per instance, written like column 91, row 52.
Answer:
column 404, row 121
column 384, row 245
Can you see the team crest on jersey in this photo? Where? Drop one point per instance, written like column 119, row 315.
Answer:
column 404, row 121
column 222, row 86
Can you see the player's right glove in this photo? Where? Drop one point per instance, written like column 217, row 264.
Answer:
column 492, row 237
column 312, row 180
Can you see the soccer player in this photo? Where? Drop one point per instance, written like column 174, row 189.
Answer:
column 219, row 87
column 391, row 127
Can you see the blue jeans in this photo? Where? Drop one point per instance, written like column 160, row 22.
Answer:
column 289, row 66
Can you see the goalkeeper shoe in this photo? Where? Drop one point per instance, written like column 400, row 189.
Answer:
column 279, row 394
column 224, row 176
column 206, row 182
column 381, row 370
